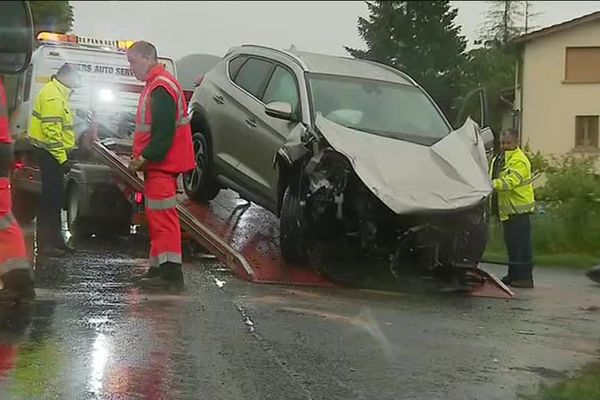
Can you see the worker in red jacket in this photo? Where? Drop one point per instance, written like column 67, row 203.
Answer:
column 15, row 272
column 162, row 149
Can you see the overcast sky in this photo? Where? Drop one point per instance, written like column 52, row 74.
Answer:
column 182, row 28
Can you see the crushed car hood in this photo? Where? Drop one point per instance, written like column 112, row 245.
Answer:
column 411, row 178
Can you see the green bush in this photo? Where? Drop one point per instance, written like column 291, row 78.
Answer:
column 539, row 164
column 571, row 198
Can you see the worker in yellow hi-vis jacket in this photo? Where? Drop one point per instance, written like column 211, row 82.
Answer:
column 51, row 133
column 511, row 179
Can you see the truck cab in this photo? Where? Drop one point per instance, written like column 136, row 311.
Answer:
column 93, row 201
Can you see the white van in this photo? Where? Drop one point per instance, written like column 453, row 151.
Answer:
column 110, row 89
column 108, row 84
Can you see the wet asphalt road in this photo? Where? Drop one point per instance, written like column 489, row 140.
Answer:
column 92, row 335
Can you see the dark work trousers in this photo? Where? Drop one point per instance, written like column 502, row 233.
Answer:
column 517, row 237
column 51, row 201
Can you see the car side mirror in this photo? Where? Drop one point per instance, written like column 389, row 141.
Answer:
column 198, row 80
column 474, row 106
column 488, row 138
column 16, row 36
column 280, row 110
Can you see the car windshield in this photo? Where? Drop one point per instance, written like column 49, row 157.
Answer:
column 382, row 108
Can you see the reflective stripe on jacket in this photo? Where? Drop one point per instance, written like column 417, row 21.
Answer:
column 180, row 157
column 513, row 185
column 51, row 126
column 13, row 254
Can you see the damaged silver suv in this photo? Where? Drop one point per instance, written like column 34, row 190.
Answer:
column 339, row 147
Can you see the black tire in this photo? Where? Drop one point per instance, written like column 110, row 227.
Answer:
column 82, row 227
column 199, row 184
column 79, row 226
column 292, row 232
column 24, row 206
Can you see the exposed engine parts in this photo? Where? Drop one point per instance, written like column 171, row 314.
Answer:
column 339, row 204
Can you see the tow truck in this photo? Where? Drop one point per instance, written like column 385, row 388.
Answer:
column 93, row 202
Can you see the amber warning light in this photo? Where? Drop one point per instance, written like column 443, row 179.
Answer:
column 53, row 37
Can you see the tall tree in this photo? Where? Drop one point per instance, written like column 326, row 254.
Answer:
column 55, row 16
column 493, row 65
column 420, row 38
column 504, row 22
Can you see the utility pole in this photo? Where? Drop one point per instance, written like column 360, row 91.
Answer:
column 529, row 15
column 505, row 22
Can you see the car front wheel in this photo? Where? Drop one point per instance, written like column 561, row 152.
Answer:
column 292, row 226
column 199, row 183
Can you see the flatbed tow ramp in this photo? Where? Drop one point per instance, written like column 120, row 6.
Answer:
column 249, row 245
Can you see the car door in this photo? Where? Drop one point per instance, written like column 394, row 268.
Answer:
column 265, row 135
column 242, row 82
column 247, row 86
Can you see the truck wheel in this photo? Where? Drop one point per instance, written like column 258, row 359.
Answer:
column 78, row 226
column 199, row 183
column 24, row 206
column 292, row 232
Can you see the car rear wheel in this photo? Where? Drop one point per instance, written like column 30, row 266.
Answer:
column 198, row 183
column 292, row 232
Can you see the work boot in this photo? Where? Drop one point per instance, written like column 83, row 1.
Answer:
column 17, row 287
column 594, row 274
column 170, row 278
column 150, row 273
column 526, row 283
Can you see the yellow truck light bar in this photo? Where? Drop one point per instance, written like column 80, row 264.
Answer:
column 56, row 37
column 52, row 37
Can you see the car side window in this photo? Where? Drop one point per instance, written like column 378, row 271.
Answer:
column 253, row 76
column 235, row 65
column 282, row 87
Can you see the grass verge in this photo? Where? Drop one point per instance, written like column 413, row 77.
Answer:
column 576, row 261
column 552, row 246
column 584, row 385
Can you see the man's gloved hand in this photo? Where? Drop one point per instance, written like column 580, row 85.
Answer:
column 136, row 164
column 66, row 166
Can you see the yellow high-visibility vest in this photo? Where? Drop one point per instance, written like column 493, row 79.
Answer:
column 513, row 185
column 51, row 125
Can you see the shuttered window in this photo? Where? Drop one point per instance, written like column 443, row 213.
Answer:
column 582, row 64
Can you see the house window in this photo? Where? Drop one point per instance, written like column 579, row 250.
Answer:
column 586, row 131
column 582, row 64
